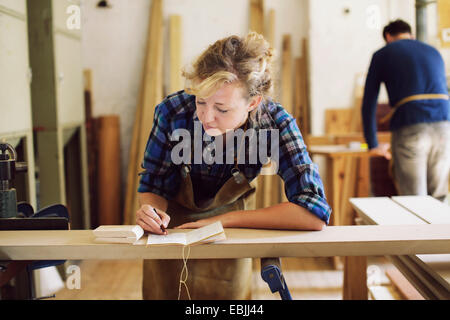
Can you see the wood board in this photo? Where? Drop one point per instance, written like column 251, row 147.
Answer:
column 252, row 243
column 405, row 288
column 257, row 16
column 175, row 37
column 431, row 280
column 150, row 96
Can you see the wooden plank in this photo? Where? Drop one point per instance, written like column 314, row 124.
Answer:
column 355, row 278
column 252, row 243
column 355, row 121
column 332, row 187
column 383, row 211
column 436, row 265
column 257, row 16
column 404, row 287
column 436, row 287
column 305, row 105
column 337, row 151
column 151, row 95
column 430, row 281
column 425, row 207
column 264, row 189
column 412, row 277
column 345, row 138
column 108, row 176
column 175, row 36
column 286, row 75
column 363, row 178
column 270, row 28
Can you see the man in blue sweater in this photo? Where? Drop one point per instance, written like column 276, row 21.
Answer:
column 414, row 75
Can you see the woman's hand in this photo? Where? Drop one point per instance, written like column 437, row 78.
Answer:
column 151, row 221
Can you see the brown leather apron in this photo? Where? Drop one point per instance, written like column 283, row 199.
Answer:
column 208, row 279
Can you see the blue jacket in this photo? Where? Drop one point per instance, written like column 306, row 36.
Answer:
column 407, row 67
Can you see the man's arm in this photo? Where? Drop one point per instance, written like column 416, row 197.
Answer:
column 369, row 107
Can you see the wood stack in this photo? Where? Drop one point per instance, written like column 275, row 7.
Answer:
column 293, row 96
column 256, row 23
column 151, row 94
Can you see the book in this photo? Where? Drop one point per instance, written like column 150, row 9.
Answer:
column 210, row 233
column 118, row 233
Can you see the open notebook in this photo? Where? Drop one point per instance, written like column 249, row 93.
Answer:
column 210, row 233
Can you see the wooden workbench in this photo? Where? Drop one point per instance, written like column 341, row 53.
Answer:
column 429, row 274
column 253, row 243
column 335, row 156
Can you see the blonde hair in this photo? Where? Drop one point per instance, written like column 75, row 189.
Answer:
column 244, row 59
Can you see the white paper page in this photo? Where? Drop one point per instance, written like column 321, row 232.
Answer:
column 171, row 238
column 204, row 232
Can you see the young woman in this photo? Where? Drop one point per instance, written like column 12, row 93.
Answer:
column 228, row 89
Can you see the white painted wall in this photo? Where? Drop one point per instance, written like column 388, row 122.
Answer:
column 341, row 47
column 114, row 41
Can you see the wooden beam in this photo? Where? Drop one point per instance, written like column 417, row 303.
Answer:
column 404, row 287
column 151, row 95
column 355, row 278
column 270, row 33
column 305, row 104
column 253, row 243
column 257, row 16
column 175, row 36
column 286, row 94
column 427, row 208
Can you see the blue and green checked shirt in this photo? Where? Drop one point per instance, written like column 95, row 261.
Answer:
column 303, row 185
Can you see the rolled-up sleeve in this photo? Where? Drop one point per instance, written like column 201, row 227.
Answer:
column 160, row 175
column 303, row 185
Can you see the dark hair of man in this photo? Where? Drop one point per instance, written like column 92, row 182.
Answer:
column 396, row 27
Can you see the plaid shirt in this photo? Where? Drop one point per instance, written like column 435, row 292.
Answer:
column 303, row 185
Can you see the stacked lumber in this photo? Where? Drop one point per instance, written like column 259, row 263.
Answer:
column 256, row 23
column 293, row 96
column 150, row 95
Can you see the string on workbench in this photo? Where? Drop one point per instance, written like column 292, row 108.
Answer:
column 184, row 273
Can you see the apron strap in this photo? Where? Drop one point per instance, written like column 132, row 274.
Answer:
column 427, row 96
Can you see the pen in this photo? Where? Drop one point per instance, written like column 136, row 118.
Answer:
column 161, row 226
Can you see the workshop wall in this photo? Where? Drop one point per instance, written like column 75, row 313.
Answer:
column 114, row 41
column 343, row 36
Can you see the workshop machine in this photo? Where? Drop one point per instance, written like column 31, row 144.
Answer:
column 21, row 216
